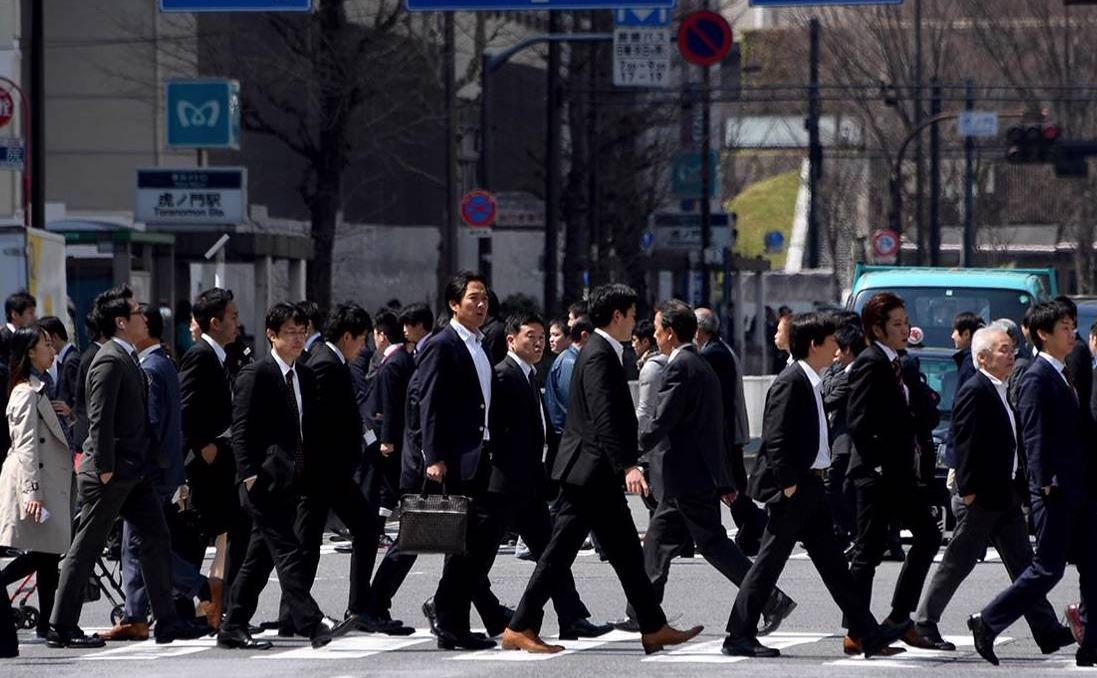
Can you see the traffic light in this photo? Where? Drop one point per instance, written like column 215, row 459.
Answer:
column 1032, row 142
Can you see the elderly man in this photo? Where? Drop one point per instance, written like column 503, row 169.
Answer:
column 990, row 488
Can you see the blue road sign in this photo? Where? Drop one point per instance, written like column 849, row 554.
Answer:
column 774, row 242
column 535, row 5
column 651, row 18
column 685, row 177
column 203, row 113
column 805, row 3
column 235, row 5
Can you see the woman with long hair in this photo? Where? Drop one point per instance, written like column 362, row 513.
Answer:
column 36, row 479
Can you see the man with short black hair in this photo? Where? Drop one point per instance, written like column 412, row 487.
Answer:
column 20, row 310
column 385, row 411
column 418, row 322
column 964, row 326
column 599, row 449
column 788, row 477
column 315, row 314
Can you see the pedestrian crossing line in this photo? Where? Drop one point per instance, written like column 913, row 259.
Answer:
column 1066, row 663
column 352, row 647
column 146, row 650
column 991, row 557
column 709, row 652
column 918, row 658
column 497, row 654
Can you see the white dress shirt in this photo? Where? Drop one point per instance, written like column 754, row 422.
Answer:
column 480, row 360
column 336, row 351
column 286, row 369
column 1059, row 367
column 217, row 348
column 617, row 347
column 130, row 349
column 527, row 370
column 892, row 356
column 1000, row 387
column 822, row 456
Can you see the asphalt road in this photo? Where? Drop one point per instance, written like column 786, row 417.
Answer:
column 809, row 640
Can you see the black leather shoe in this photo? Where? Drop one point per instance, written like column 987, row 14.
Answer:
column 499, row 623
column 327, row 629
column 286, row 632
column 1085, row 657
column 583, row 628
column 931, row 633
column 371, row 624
column 238, row 638
column 1062, row 637
column 748, row 647
column 984, row 639
column 428, row 612
column 627, row 624
column 178, row 629
column 884, row 635
column 463, row 641
column 73, row 639
column 777, row 609
column 268, row 625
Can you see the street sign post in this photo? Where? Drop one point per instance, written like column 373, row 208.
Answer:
column 203, row 113
column 213, row 196
column 977, row 124
column 235, row 5
column 704, row 38
column 641, row 47
column 13, row 155
column 530, row 5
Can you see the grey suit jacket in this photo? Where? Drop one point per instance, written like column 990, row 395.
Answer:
column 120, row 440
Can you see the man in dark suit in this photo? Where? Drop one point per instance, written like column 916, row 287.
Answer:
column 385, row 408
column 1060, row 480
column 964, row 326
column 276, row 445
column 207, row 418
column 522, row 439
column 315, row 314
column 113, row 478
column 885, row 406
column 788, row 476
column 750, row 519
column 19, row 311
column 691, row 475
column 1079, row 362
column 835, row 391
column 80, row 399
column 327, row 484
column 599, row 449
column 988, row 478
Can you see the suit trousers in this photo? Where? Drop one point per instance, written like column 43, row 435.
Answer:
column 137, row 501
column 802, row 517
column 1061, row 530
column 1007, row 530
column 344, row 497
column 273, row 546
column 599, row 506
column 680, row 522
column 216, row 498
column 881, row 503
column 841, row 497
column 186, row 579
column 529, row 517
column 750, row 519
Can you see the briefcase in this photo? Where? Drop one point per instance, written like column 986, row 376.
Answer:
column 433, row 523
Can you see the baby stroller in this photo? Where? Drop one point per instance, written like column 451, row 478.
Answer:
column 106, row 580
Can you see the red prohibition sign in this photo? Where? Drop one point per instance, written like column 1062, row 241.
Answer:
column 704, row 38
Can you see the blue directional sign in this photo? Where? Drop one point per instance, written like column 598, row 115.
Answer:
column 203, row 113
column 807, row 3
column 534, row 5
column 650, row 18
column 235, row 5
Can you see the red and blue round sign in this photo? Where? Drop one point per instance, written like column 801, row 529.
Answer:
column 704, row 38
column 885, row 243
column 478, row 209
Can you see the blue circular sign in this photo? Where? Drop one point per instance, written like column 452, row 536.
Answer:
column 774, row 242
column 478, row 209
column 704, row 38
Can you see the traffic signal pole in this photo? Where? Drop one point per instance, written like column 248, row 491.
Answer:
column 967, row 250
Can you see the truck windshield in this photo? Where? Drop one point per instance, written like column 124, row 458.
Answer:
column 933, row 308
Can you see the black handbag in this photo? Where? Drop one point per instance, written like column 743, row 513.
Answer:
column 433, row 523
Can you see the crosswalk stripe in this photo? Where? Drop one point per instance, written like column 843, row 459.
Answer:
column 709, row 652
column 917, row 658
column 352, row 647
column 497, row 654
column 148, row 649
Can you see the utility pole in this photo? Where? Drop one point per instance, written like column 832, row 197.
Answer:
column 920, row 171
column 967, row 252
column 483, row 244
column 447, row 260
column 706, row 182
column 815, row 150
column 552, row 167
column 935, row 177
column 37, row 114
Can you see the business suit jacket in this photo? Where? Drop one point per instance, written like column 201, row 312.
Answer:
column 1079, row 364
column 985, row 445
column 518, row 435
column 723, row 363
column 67, row 374
column 80, row 405
column 265, row 431
column 787, row 450
column 600, row 437
column 451, row 404
column 388, row 397
column 1053, row 429
column 338, row 424
column 835, row 393
column 120, row 440
column 690, row 414
column 165, row 418
column 881, row 422
column 206, row 399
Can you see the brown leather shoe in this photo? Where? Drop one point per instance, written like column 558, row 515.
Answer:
column 915, row 639
column 853, row 647
column 528, row 641
column 127, row 631
column 654, row 642
column 215, row 606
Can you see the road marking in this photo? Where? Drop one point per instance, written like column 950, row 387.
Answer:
column 148, row 649
column 709, row 652
column 352, row 647
column 915, row 657
column 497, row 654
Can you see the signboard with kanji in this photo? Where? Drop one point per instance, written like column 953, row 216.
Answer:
column 192, row 196
column 641, row 56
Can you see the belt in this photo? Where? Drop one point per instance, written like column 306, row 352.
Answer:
column 820, row 473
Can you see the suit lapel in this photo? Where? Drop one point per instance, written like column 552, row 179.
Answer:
column 46, row 413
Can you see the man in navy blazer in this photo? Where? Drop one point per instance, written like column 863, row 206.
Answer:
column 1059, row 471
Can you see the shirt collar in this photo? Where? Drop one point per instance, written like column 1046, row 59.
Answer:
column 11, row 328
column 889, row 352
column 676, row 351
column 526, row 367
column 390, row 349
column 617, row 347
column 998, row 383
column 285, row 368
column 1059, row 367
column 147, row 352
column 217, row 348
column 465, row 333
column 64, row 352
column 312, row 339
column 336, row 351
column 813, row 376
column 130, row 350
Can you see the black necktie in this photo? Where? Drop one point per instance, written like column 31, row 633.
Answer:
column 47, row 379
column 1070, row 382
column 299, row 451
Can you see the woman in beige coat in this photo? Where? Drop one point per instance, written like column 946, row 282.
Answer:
column 37, row 476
